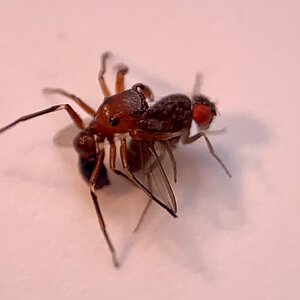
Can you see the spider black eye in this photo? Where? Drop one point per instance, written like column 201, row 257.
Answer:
column 114, row 121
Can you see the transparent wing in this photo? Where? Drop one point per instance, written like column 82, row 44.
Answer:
column 147, row 158
column 160, row 179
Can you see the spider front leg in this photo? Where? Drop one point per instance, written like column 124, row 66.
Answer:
column 73, row 97
column 74, row 116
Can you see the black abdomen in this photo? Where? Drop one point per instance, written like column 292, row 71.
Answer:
column 86, row 166
column 171, row 113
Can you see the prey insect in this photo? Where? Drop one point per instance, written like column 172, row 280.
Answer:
column 117, row 116
column 176, row 113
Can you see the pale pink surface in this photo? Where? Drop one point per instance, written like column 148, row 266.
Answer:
column 234, row 239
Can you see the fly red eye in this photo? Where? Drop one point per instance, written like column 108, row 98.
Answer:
column 202, row 114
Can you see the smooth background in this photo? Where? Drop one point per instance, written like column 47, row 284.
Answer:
column 234, row 239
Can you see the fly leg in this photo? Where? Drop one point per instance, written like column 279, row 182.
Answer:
column 186, row 139
column 147, row 206
column 147, row 174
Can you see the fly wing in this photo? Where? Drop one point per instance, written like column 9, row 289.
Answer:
column 160, row 179
column 155, row 178
column 143, row 157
